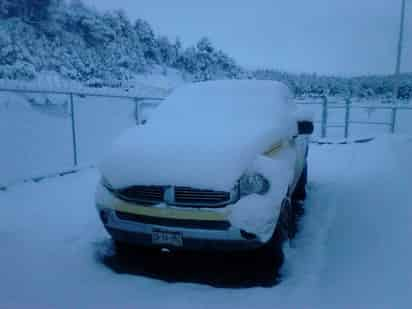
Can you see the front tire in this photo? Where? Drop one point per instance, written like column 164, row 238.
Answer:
column 271, row 253
column 299, row 194
column 298, row 198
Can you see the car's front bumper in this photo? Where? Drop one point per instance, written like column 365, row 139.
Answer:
column 222, row 239
column 208, row 229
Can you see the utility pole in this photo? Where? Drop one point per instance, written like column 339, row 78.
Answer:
column 399, row 55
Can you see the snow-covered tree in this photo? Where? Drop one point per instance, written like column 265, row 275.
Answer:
column 147, row 38
column 106, row 49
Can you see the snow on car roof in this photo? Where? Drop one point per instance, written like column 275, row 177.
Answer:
column 225, row 100
column 204, row 135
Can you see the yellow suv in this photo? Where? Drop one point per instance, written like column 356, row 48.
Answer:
column 215, row 168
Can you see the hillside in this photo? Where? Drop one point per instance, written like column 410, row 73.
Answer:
column 106, row 49
column 363, row 87
column 98, row 49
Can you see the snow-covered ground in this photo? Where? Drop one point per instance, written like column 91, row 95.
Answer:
column 352, row 250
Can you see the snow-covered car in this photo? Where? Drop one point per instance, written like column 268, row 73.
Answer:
column 215, row 168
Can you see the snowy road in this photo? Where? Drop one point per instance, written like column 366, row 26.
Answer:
column 353, row 250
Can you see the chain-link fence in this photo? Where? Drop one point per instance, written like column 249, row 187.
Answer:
column 46, row 132
column 346, row 119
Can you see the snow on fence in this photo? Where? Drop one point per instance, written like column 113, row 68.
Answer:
column 50, row 132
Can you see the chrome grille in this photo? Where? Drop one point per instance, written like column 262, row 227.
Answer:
column 197, row 197
column 177, row 196
column 142, row 194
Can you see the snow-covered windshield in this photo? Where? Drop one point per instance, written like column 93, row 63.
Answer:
column 226, row 103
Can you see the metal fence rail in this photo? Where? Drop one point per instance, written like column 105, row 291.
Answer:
column 348, row 107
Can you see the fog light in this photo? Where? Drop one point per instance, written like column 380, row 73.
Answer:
column 104, row 216
column 247, row 235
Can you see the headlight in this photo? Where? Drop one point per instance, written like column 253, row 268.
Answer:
column 253, row 183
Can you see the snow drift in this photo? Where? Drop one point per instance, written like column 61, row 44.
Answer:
column 204, row 135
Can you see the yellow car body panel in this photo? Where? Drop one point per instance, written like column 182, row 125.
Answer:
column 168, row 212
column 273, row 150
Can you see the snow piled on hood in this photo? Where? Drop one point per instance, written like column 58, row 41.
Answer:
column 204, row 135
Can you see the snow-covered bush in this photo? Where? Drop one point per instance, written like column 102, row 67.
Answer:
column 83, row 44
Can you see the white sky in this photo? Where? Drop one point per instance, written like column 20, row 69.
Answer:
column 323, row 36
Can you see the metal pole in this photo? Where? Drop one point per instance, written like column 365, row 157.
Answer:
column 347, row 117
column 399, row 54
column 324, row 115
column 74, row 138
column 393, row 120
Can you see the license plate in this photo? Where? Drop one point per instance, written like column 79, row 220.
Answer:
column 160, row 237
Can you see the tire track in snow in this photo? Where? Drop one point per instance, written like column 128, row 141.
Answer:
column 305, row 256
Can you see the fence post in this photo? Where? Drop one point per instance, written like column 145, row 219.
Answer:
column 137, row 111
column 324, row 116
column 347, row 117
column 74, row 138
column 393, row 120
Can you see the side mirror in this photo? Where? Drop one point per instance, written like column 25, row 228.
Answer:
column 305, row 127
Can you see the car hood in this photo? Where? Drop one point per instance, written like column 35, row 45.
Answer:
column 197, row 142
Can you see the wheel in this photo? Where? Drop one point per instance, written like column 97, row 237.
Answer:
column 300, row 191
column 271, row 254
column 298, row 198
